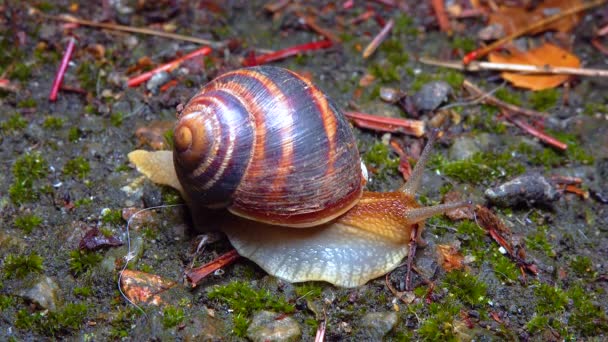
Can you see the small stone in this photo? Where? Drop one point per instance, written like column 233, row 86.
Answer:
column 44, row 292
column 271, row 326
column 378, row 324
column 204, row 328
column 431, row 95
column 157, row 80
column 524, row 190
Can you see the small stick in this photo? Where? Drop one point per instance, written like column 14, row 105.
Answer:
column 442, row 17
column 536, row 133
column 310, row 22
column 598, row 45
column 141, row 30
column 195, row 275
column 468, row 58
column 137, row 80
column 288, row 52
column 566, row 180
column 378, row 39
column 67, row 55
column 526, row 68
column 320, row 336
column 489, row 99
column 386, row 124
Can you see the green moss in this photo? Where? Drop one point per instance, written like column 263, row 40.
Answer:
column 550, row 299
column 464, row 44
column 595, row 108
column 116, row 119
column 439, row 325
column 61, row 322
column 472, row 235
column 309, row 290
column 380, row 157
column 27, row 103
column 240, row 325
column 486, row 121
column 112, row 216
column 394, row 51
column 466, row 287
column 544, row 99
column 587, row 318
column 385, row 72
column 575, row 152
column 30, row 166
column 77, row 167
column 21, row 71
column 53, row 122
column 504, row 268
column 83, row 261
column 83, row 202
column 15, row 122
column 481, row 168
column 84, row 291
column 21, row 265
column 171, row 196
column 123, row 322
column 22, row 192
column 168, row 135
column 74, row 134
column 453, row 78
column 87, row 75
column 404, row 25
column 508, row 96
column 582, row 266
column 244, row 300
column 172, row 316
column 6, row 302
column 89, row 109
column 538, row 240
column 28, row 222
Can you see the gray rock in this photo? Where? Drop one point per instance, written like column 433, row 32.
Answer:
column 43, row 292
column 465, row 147
column 431, row 95
column 524, row 190
column 378, row 324
column 271, row 326
column 204, row 328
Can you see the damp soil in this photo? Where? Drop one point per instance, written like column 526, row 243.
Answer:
column 65, row 172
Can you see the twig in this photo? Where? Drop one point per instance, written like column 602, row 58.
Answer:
column 526, row 68
column 195, row 275
column 137, row 80
column 489, row 99
column 378, row 39
column 386, row 124
column 310, row 22
column 320, row 336
column 442, row 17
column 468, row 58
column 141, row 30
column 598, row 45
column 536, row 133
column 67, row 55
column 288, row 52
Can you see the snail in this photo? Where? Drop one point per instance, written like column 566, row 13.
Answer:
column 269, row 146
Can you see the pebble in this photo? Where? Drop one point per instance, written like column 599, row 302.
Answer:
column 157, row 80
column 431, row 95
column 465, row 147
column 271, row 326
column 44, row 292
column 204, row 328
column 526, row 190
column 378, row 324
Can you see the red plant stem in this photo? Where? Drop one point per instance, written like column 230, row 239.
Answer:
column 320, row 336
column 363, row 17
column 442, row 17
column 197, row 274
column 378, row 39
column 67, row 55
column 537, row 133
column 385, row 124
column 348, row 4
column 288, row 52
column 137, row 80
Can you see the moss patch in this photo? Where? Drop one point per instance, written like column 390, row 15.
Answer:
column 27, row 222
column 83, row 261
column 481, row 168
column 77, row 167
column 21, row 265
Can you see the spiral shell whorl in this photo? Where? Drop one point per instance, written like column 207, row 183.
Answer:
column 276, row 149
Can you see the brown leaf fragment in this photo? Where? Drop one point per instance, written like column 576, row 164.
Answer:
column 450, row 258
column 460, row 213
column 153, row 134
column 95, row 239
column 141, row 287
column 544, row 55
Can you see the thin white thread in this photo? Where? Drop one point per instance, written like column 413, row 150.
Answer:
column 130, row 256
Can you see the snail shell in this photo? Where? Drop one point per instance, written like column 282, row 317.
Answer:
column 270, row 146
column 309, row 176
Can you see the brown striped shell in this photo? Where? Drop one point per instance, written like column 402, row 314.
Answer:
column 270, row 146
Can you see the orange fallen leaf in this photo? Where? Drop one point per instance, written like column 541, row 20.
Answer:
column 544, row 55
column 515, row 18
column 141, row 287
column 449, row 257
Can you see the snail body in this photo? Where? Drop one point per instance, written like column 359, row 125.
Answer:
column 308, row 177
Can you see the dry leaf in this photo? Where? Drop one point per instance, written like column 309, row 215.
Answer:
column 450, row 258
column 516, row 18
column 544, row 55
column 141, row 287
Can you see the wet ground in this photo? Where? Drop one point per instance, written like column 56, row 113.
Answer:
column 66, row 177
